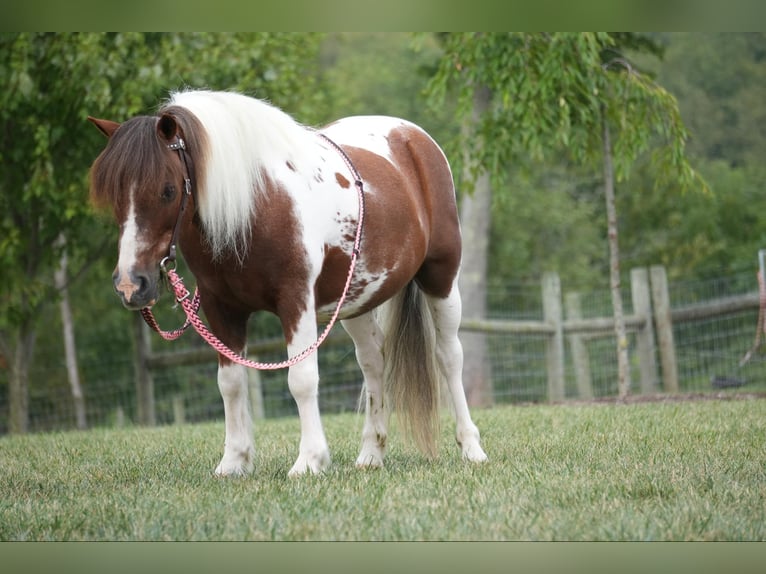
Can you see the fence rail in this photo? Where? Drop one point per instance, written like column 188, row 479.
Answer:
column 651, row 323
column 568, row 352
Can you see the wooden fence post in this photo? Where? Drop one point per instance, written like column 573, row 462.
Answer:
column 642, row 307
column 179, row 409
column 664, row 325
column 554, row 348
column 119, row 417
column 142, row 350
column 579, row 348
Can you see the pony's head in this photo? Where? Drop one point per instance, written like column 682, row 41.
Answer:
column 141, row 179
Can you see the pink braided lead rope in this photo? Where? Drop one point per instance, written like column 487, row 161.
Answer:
column 190, row 305
column 148, row 316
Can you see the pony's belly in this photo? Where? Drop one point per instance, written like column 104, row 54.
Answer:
column 366, row 292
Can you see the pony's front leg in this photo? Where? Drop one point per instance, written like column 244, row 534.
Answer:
column 303, row 380
column 238, row 449
column 238, row 446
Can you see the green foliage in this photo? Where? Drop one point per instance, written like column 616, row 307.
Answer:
column 49, row 83
column 672, row 471
column 719, row 81
column 696, row 235
column 544, row 221
column 715, row 79
column 43, row 103
column 547, row 215
column 277, row 66
column 550, row 92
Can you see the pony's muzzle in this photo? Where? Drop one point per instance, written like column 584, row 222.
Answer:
column 136, row 289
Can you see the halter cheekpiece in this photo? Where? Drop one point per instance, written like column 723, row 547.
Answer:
column 191, row 305
column 179, row 145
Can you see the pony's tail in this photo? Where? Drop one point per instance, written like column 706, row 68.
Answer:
column 411, row 372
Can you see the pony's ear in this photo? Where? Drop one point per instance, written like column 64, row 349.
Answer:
column 167, row 127
column 106, row 127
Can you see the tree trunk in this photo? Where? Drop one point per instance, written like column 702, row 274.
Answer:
column 70, row 348
column 20, row 357
column 475, row 218
column 623, row 364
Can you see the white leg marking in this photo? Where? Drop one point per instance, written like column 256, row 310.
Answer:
column 239, row 449
column 303, row 380
column 446, row 314
column 368, row 340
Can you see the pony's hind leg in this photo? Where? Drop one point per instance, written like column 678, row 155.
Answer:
column 239, row 449
column 446, row 313
column 368, row 340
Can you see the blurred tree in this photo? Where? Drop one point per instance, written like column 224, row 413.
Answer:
column 571, row 92
column 717, row 79
column 383, row 73
column 49, row 84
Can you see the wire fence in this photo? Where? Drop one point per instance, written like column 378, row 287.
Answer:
column 707, row 351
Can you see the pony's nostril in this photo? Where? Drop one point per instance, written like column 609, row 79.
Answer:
column 143, row 283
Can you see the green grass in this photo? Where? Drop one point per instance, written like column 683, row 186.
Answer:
column 657, row 471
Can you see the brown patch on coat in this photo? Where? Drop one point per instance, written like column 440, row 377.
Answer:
column 273, row 276
column 342, row 181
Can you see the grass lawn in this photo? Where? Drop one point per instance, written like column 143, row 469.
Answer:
column 693, row 470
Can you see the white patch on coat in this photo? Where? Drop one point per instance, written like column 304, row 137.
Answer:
column 367, row 132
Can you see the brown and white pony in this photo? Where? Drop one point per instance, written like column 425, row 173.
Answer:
column 272, row 228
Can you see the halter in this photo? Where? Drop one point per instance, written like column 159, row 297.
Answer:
column 191, row 307
column 179, row 145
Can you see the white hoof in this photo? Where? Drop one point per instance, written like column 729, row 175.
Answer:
column 370, row 459
column 235, row 464
column 474, row 453
column 470, row 444
column 315, row 464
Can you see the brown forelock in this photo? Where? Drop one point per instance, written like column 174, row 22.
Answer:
column 134, row 154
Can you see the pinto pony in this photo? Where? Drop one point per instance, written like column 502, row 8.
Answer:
column 274, row 212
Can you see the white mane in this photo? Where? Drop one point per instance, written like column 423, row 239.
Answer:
column 248, row 140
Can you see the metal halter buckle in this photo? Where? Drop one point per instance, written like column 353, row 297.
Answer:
column 167, row 261
column 178, row 144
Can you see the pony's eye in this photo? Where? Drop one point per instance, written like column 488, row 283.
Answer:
column 168, row 192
